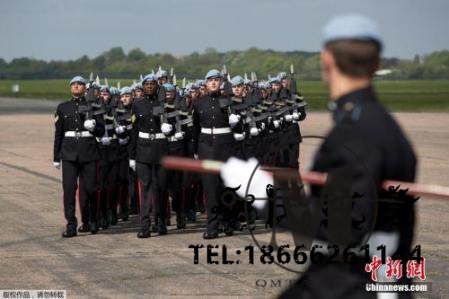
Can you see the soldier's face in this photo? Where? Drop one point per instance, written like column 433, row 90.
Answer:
column 163, row 80
column 264, row 93
column 138, row 93
column 238, row 90
column 77, row 89
column 126, row 99
column 213, row 84
column 284, row 83
column 150, row 87
column 276, row 87
column 195, row 93
column 169, row 95
column 105, row 96
column 203, row 90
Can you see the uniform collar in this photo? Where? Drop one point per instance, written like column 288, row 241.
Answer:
column 78, row 99
column 347, row 103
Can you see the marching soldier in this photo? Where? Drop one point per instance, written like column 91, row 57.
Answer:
column 75, row 147
column 213, row 139
column 148, row 145
column 123, row 128
column 108, row 166
column 193, row 192
column 176, row 147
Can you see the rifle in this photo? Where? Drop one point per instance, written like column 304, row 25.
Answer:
column 92, row 108
column 293, row 89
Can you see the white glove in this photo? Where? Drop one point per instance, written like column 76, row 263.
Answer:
column 253, row 131
column 295, row 115
column 120, row 129
column 234, row 119
column 105, row 140
column 237, row 172
column 239, row 137
column 166, row 128
column 179, row 135
column 132, row 164
column 123, row 141
column 57, row 165
column 89, row 124
column 262, row 126
column 288, row 118
column 276, row 123
column 195, row 156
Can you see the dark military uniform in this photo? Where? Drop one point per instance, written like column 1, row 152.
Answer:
column 368, row 142
column 213, row 139
column 147, row 147
column 78, row 150
column 108, row 170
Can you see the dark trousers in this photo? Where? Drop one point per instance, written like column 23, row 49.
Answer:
column 123, row 187
column 108, row 173
column 149, row 175
column 133, row 191
column 87, row 174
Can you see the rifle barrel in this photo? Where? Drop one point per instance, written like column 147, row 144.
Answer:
column 310, row 177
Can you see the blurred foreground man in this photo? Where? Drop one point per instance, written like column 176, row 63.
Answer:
column 75, row 146
column 365, row 147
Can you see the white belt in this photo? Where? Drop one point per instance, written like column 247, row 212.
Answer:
column 78, row 134
column 172, row 139
column 216, row 130
column 151, row 136
column 129, row 127
column 109, row 127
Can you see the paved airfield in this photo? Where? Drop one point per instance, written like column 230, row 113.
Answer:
column 115, row 264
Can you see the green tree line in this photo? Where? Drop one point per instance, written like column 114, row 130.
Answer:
column 115, row 63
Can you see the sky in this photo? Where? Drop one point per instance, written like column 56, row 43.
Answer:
column 62, row 29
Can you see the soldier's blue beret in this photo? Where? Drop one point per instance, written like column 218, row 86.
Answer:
column 282, row 75
column 114, row 90
column 264, row 85
column 78, row 79
column 237, row 80
column 351, row 26
column 274, row 80
column 213, row 74
column 169, row 87
column 161, row 73
column 126, row 90
column 105, row 88
column 200, row 83
column 149, row 77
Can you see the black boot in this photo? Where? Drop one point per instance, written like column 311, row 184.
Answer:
column 180, row 220
column 93, row 228
column 70, row 231
column 83, row 228
column 144, row 233
column 210, row 235
column 161, row 227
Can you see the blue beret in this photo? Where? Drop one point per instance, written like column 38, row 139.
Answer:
column 353, row 26
column 169, row 87
column 138, row 85
column 282, row 75
column 274, row 80
column 264, row 85
column 78, row 79
column 161, row 74
column 105, row 88
column 200, row 83
column 149, row 77
column 237, row 80
column 126, row 90
column 213, row 74
column 114, row 90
